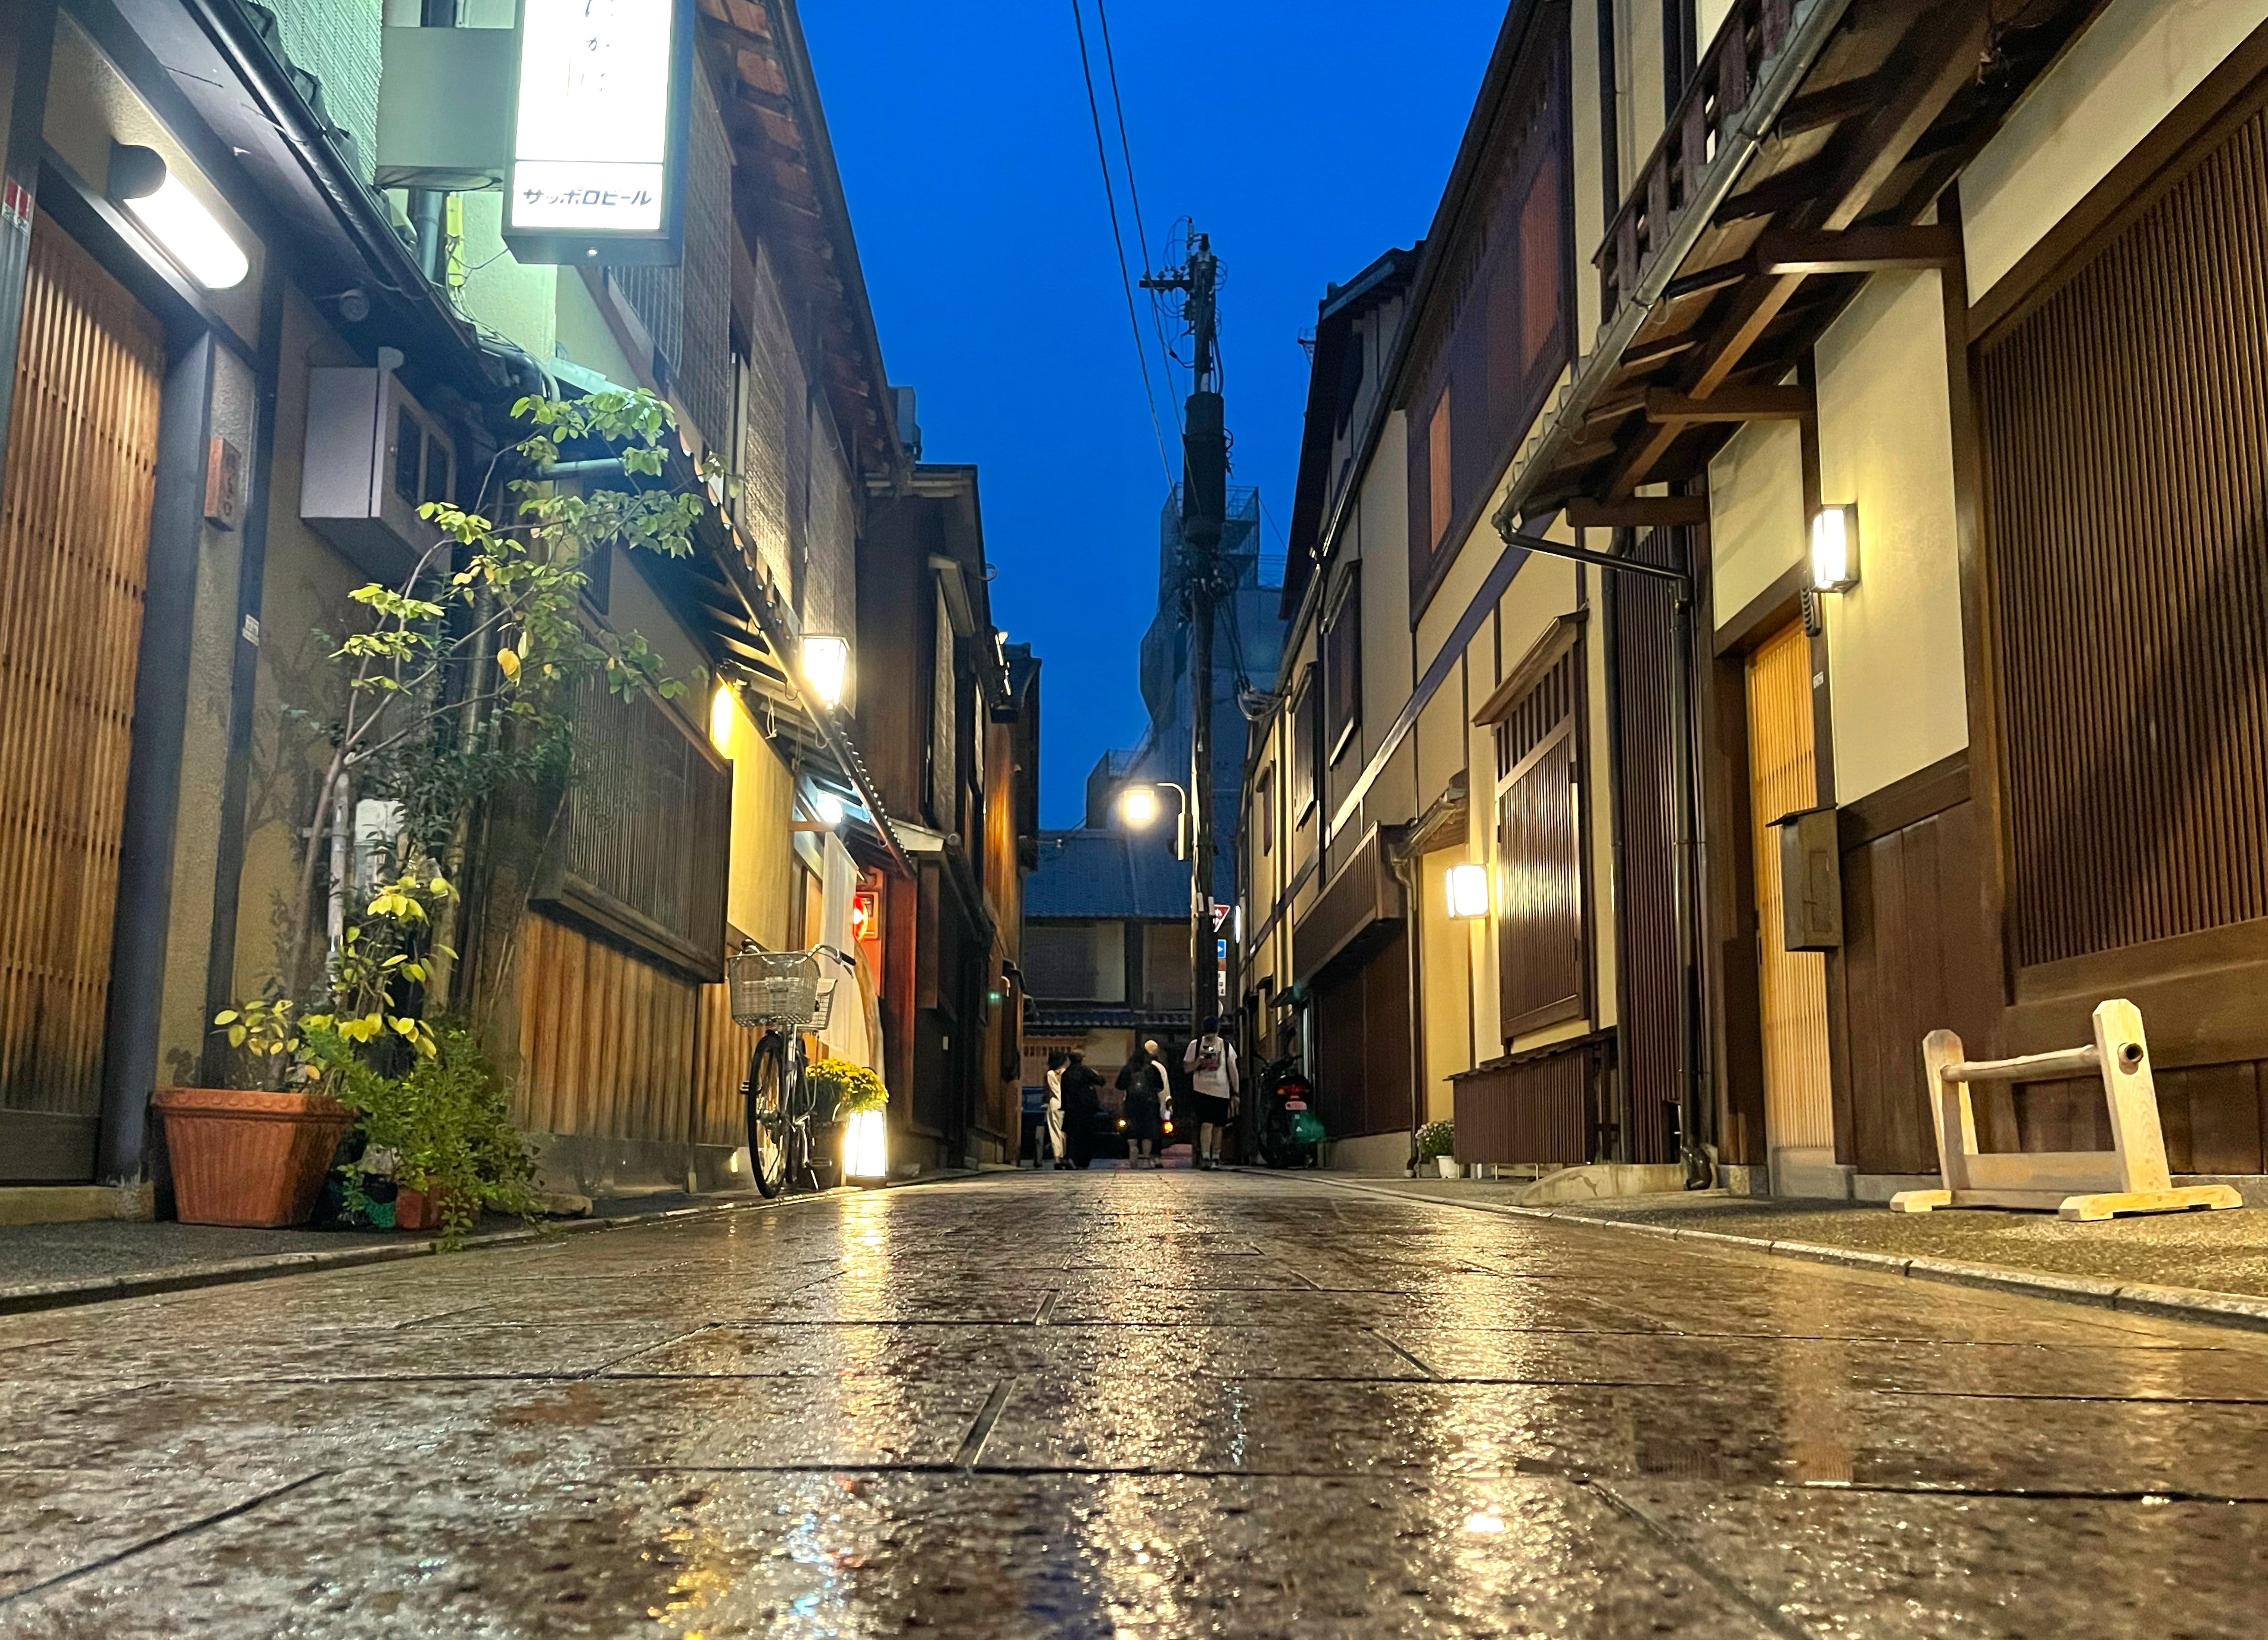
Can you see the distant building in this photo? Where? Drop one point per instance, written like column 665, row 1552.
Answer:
column 1106, row 944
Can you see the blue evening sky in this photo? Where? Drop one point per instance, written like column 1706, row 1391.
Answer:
column 1304, row 136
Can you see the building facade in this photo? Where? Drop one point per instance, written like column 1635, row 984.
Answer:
column 1835, row 332
column 174, row 563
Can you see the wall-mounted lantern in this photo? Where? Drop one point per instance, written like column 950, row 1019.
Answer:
column 826, row 665
column 1468, row 891
column 1834, row 548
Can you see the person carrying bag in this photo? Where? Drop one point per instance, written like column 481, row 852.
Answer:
column 1211, row 1062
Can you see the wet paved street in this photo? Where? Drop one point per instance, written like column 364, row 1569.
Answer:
column 1122, row 1404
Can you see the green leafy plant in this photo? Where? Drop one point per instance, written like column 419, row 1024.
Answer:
column 442, row 1127
column 461, row 681
column 850, row 1088
column 1437, row 1139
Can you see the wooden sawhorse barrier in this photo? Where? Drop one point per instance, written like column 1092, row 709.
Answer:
column 2130, row 1178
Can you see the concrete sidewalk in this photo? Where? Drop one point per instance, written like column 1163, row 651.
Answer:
column 50, row 1266
column 2209, row 1253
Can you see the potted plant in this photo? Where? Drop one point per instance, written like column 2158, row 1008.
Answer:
column 1437, row 1142
column 441, row 1132
column 459, row 682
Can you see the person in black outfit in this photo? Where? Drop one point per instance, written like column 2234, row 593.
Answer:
column 1143, row 1080
column 1082, row 1098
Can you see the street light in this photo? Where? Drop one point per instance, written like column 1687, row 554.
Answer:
column 829, row 807
column 1137, row 806
column 826, row 667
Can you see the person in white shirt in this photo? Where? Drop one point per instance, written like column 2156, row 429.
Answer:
column 1052, row 1131
column 1211, row 1062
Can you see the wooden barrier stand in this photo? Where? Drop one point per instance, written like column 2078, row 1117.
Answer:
column 2130, row 1178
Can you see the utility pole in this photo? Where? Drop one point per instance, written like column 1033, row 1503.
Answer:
column 1204, row 511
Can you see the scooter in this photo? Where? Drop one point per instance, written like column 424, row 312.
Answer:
column 1289, row 1132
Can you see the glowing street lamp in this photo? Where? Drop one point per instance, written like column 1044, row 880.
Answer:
column 1138, row 806
column 826, row 667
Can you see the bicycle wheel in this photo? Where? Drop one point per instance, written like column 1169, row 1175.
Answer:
column 766, row 1092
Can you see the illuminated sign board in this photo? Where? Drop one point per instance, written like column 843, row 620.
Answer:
column 598, row 151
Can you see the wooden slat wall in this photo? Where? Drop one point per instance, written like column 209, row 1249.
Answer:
column 1364, row 1085
column 1799, row 1097
column 74, row 546
column 2126, row 457
column 1646, row 788
column 1540, row 977
column 649, row 820
column 721, row 1064
column 611, row 1047
column 1536, row 1109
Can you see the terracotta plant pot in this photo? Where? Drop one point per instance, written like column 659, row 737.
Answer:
column 249, row 1157
column 413, row 1209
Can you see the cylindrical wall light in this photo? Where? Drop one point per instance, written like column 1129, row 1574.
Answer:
column 175, row 219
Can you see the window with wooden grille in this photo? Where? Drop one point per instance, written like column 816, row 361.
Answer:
column 1501, row 331
column 1541, row 972
column 2125, row 436
column 647, row 829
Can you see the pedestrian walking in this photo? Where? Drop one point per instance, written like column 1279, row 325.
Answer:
column 1143, row 1080
column 1211, row 1062
column 1082, row 1098
column 1050, row 1142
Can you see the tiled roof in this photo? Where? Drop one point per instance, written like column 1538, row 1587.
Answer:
column 1107, row 873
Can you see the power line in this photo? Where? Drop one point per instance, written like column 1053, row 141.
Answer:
column 1110, row 63
column 1125, row 277
column 1134, row 194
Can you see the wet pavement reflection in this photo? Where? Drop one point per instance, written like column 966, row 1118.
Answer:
column 1122, row 1404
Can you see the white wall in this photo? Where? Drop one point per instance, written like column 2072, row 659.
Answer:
column 2106, row 93
column 1894, row 640
column 1755, row 513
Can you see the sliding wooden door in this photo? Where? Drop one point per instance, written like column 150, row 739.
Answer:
column 1791, row 985
column 74, row 550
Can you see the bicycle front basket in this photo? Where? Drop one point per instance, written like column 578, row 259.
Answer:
column 775, row 988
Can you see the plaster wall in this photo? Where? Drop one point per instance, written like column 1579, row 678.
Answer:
column 2115, row 82
column 1446, row 960
column 303, row 597
column 762, row 874
column 1893, row 641
column 1755, row 513
column 182, row 1026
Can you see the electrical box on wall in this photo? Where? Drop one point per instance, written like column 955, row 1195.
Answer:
column 374, row 457
column 1811, row 880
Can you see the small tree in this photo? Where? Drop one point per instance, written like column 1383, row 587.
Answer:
column 461, row 682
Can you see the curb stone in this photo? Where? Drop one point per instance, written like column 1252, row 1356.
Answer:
column 2175, row 1304
column 229, row 1272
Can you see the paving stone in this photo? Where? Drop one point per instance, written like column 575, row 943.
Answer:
column 1124, row 1405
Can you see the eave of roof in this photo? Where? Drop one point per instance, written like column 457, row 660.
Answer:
column 778, row 130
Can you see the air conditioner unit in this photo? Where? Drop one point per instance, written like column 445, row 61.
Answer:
column 373, row 456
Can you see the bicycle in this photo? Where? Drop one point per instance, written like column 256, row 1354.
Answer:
column 785, row 993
